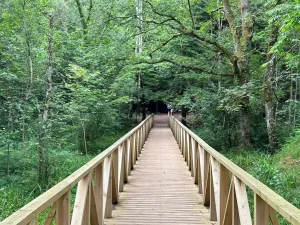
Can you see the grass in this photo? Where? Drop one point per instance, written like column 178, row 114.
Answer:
column 21, row 186
column 280, row 172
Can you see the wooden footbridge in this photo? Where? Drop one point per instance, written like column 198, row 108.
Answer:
column 143, row 179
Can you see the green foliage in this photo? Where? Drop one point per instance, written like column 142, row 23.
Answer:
column 266, row 168
column 96, row 86
column 288, row 157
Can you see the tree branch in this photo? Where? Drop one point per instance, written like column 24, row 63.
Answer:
column 231, row 21
column 191, row 14
column 90, row 11
column 165, row 43
column 190, row 66
column 188, row 32
column 82, row 19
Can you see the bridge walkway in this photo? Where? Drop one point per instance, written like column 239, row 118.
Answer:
column 161, row 189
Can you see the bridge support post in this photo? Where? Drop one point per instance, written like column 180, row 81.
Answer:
column 261, row 211
column 63, row 209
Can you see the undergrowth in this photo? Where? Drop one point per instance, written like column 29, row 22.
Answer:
column 271, row 170
column 21, row 185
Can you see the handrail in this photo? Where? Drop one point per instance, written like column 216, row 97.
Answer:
column 223, row 185
column 99, row 183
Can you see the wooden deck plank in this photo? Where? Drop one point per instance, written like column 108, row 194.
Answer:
column 160, row 189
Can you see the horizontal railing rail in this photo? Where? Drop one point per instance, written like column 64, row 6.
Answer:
column 98, row 185
column 223, row 185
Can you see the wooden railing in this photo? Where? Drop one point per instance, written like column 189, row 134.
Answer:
column 98, row 185
column 223, row 185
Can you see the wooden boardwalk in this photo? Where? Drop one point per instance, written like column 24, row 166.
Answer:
column 160, row 189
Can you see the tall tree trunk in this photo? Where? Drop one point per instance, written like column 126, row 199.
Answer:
column 139, row 49
column 84, row 21
column 9, row 129
column 268, row 93
column 241, row 42
column 43, row 154
column 30, row 74
column 269, row 101
column 245, row 138
column 84, row 135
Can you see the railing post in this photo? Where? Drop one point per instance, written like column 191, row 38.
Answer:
column 215, row 193
column 81, row 210
column 129, row 156
column 261, row 211
column 107, row 187
column 189, row 153
column 63, row 209
column 115, row 175
column 200, row 169
column 224, row 191
column 121, row 165
column 98, row 195
column 194, row 160
column 133, row 150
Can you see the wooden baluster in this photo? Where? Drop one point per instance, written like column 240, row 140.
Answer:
column 201, row 167
column 107, row 190
column 115, row 177
column 133, row 150
column 215, row 192
column 125, row 162
column 207, row 179
column 224, row 191
column 273, row 217
column 97, row 197
column 145, row 133
column 87, row 208
column 186, row 147
column 121, row 166
column 137, row 140
column 63, row 209
column 142, row 138
column 186, row 156
column 147, row 129
column 194, row 160
column 190, row 159
column 129, row 155
column 175, row 132
column 183, row 143
column 178, row 133
column 242, row 202
column 181, row 140
column 34, row 222
column 261, row 211
column 235, row 211
column 52, row 214
column 82, row 194
column 228, row 213
column 213, row 207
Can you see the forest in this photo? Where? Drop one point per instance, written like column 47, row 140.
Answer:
column 75, row 75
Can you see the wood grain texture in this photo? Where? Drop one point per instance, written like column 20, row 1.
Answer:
column 160, row 190
column 283, row 207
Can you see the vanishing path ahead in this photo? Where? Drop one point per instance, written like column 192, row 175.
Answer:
column 160, row 189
